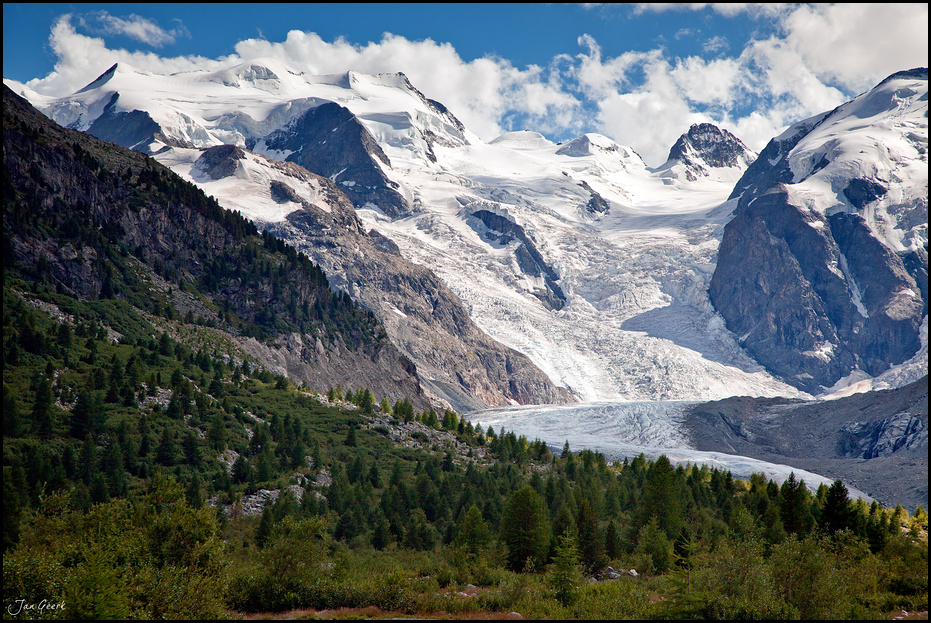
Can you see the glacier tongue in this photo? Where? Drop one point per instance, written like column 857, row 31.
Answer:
column 622, row 430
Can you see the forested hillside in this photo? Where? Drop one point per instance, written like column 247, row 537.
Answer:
column 155, row 466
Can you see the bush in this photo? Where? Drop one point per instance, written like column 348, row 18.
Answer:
column 807, row 579
column 611, row 601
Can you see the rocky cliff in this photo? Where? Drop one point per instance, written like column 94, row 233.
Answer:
column 875, row 441
column 329, row 141
column 823, row 269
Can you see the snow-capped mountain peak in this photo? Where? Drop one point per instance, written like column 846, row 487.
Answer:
column 707, row 151
column 824, row 269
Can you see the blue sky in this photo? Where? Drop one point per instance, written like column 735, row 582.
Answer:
column 640, row 74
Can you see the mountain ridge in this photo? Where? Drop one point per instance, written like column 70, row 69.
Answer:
column 833, row 216
column 159, row 233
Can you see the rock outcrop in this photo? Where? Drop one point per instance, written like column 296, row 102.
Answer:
column 329, row 141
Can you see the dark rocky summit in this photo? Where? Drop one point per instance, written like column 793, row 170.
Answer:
column 329, row 141
column 713, row 147
column 706, row 146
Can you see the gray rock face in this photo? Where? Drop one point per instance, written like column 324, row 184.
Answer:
column 775, row 287
column 875, row 441
column 597, row 205
column 868, row 440
column 134, row 130
column 503, row 231
column 329, row 141
column 456, row 361
column 706, row 146
column 219, row 162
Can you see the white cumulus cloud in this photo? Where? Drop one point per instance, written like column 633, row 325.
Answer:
column 819, row 56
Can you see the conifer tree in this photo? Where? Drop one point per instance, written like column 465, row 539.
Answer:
column 165, row 454
column 240, row 470
column 264, row 531
column 793, row 505
column 652, row 541
column 472, row 534
column 525, row 529
column 662, row 499
column 837, row 512
column 612, row 541
column 12, row 421
column 351, row 436
column 565, row 576
column 41, row 408
column 591, row 538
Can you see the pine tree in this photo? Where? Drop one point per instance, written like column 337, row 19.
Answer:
column 793, row 505
column 194, row 495
column 12, row 421
column 565, row 576
column 374, row 476
column 240, row 471
column 366, row 401
column 88, row 460
column 612, row 541
column 525, row 529
column 264, row 532
column 381, row 533
column 41, row 408
column 662, row 499
column 351, row 436
column 837, row 513
column 165, row 454
column 472, row 534
column 591, row 539
column 652, row 541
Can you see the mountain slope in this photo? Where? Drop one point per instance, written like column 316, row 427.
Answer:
column 456, row 361
column 875, row 441
column 823, row 270
column 93, row 220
